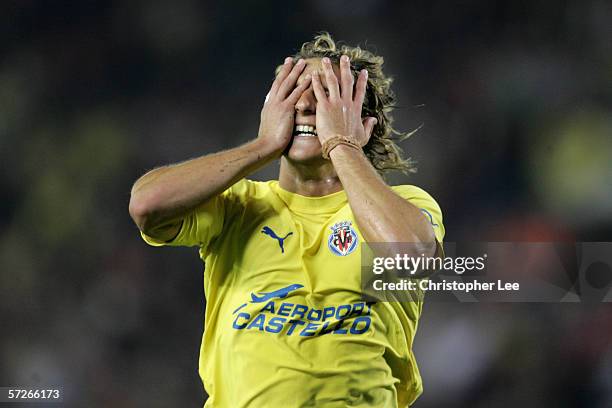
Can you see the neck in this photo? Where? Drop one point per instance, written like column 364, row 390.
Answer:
column 308, row 179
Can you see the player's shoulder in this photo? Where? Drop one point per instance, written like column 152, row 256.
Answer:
column 418, row 197
column 410, row 191
column 426, row 203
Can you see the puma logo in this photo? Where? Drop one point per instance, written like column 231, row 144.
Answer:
column 281, row 241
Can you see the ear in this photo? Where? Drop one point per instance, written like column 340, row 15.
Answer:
column 368, row 124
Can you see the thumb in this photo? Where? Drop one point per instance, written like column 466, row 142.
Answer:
column 368, row 125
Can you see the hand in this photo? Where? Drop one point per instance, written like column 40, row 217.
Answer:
column 339, row 114
column 278, row 113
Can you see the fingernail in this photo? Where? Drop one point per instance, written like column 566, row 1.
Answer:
column 288, row 60
column 345, row 58
column 365, row 72
column 325, row 60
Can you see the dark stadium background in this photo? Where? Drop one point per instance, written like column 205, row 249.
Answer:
column 515, row 98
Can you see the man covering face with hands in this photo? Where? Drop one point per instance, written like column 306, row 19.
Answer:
column 286, row 324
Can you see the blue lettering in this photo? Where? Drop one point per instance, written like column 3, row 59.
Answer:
column 318, row 315
column 340, row 316
column 357, row 309
column 241, row 326
column 269, row 307
column 299, row 310
column 337, row 328
column 309, row 330
column 360, row 325
column 275, row 325
column 328, row 312
column 258, row 322
column 292, row 324
column 324, row 329
column 366, row 320
column 285, row 308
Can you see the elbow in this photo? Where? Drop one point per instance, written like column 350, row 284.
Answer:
column 413, row 249
column 429, row 243
column 423, row 243
column 141, row 210
column 427, row 248
column 426, row 243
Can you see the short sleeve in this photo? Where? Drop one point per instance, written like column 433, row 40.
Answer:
column 202, row 225
column 428, row 206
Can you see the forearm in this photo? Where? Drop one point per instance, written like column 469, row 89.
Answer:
column 382, row 215
column 166, row 194
column 163, row 196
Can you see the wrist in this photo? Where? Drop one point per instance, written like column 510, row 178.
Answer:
column 342, row 150
column 337, row 142
column 265, row 150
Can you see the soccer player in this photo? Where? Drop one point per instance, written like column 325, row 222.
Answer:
column 285, row 323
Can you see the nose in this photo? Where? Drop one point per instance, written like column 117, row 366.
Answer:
column 307, row 103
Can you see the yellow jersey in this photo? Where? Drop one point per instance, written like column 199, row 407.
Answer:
column 285, row 322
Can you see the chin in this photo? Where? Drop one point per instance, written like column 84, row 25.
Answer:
column 304, row 150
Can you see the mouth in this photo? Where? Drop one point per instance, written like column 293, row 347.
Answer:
column 305, row 130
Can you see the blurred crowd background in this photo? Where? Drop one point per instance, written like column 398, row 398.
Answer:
column 515, row 100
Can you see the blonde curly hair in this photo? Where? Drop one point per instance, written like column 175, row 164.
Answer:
column 382, row 149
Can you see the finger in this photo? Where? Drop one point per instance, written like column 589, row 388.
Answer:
column 360, row 89
column 317, row 87
column 286, row 68
column 297, row 92
column 330, row 78
column 368, row 125
column 346, row 78
column 289, row 82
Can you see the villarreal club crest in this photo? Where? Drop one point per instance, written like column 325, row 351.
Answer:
column 343, row 239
